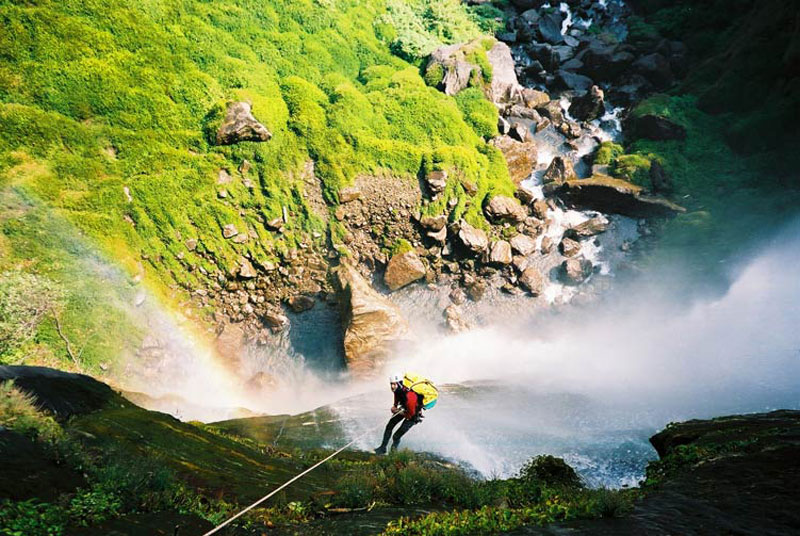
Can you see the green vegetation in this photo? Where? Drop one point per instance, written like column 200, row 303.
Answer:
column 545, row 491
column 401, row 246
column 607, row 153
column 107, row 112
column 723, row 190
column 18, row 412
column 415, row 28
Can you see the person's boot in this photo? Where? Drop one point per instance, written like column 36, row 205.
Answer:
column 381, row 450
column 395, row 445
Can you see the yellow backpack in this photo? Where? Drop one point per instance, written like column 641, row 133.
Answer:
column 423, row 387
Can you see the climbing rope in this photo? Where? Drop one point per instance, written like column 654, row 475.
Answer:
column 285, row 484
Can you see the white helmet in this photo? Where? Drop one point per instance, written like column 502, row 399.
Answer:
column 396, row 378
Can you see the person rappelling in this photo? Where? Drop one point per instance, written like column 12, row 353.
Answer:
column 412, row 395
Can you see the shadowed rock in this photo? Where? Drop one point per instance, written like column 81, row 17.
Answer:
column 372, row 323
column 240, row 125
column 63, row 393
column 616, row 196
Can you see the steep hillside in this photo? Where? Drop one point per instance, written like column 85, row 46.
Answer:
column 111, row 172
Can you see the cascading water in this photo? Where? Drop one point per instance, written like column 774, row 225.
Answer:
column 592, row 384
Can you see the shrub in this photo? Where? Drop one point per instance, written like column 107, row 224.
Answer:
column 25, row 301
column 18, row 412
column 633, row 167
column 607, row 153
column 549, row 471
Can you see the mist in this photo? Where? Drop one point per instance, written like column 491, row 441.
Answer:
column 592, row 383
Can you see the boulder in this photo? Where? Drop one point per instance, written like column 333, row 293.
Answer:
column 549, row 27
column 552, row 111
column 275, row 319
column 240, row 125
column 614, row 196
column 433, row 223
column 533, row 98
column 439, row 236
column 476, row 287
column 523, row 244
column 500, row 253
column 503, row 126
column 246, row 270
column 229, row 231
column 603, row 61
column 502, row 208
column 403, row 269
column 456, row 70
column 655, row 127
column 372, row 323
column 348, row 194
column 575, row 271
column 300, row 303
column 454, row 319
column 524, row 195
column 588, row 106
column 655, row 68
column 559, row 170
column 520, row 157
column 540, row 209
column 504, row 78
column 546, row 56
column 532, row 280
column 569, row 247
column 518, row 132
column 572, row 81
column 436, row 181
column 473, row 239
column 590, row 227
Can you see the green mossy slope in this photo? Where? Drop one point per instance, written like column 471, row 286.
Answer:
column 107, row 110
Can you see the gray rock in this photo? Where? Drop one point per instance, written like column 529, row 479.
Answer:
column 433, row 223
column 348, row 194
column 550, row 28
column 246, row 270
column 372, row 322
column 500, row 253
column 502, row 208
column 588, row 106
column 519, row 132
column 559, row 170
column 403, row 269
column 532, row 280
column 457, row 71
column 573, row 81
column 229, row 231
column 575, row 270
column 473, row 239
column 240, row 125
column 590, row 227
column 436, row 181
column 523, row 244
column 569, row 247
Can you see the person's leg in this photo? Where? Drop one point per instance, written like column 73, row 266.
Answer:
column 405, row 427
column 387, row 433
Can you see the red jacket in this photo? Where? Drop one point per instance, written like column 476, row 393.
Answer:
column 409, row 400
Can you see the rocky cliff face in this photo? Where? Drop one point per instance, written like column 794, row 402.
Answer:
column 731, row 475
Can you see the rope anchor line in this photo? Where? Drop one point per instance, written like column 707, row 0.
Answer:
column 286, row 484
